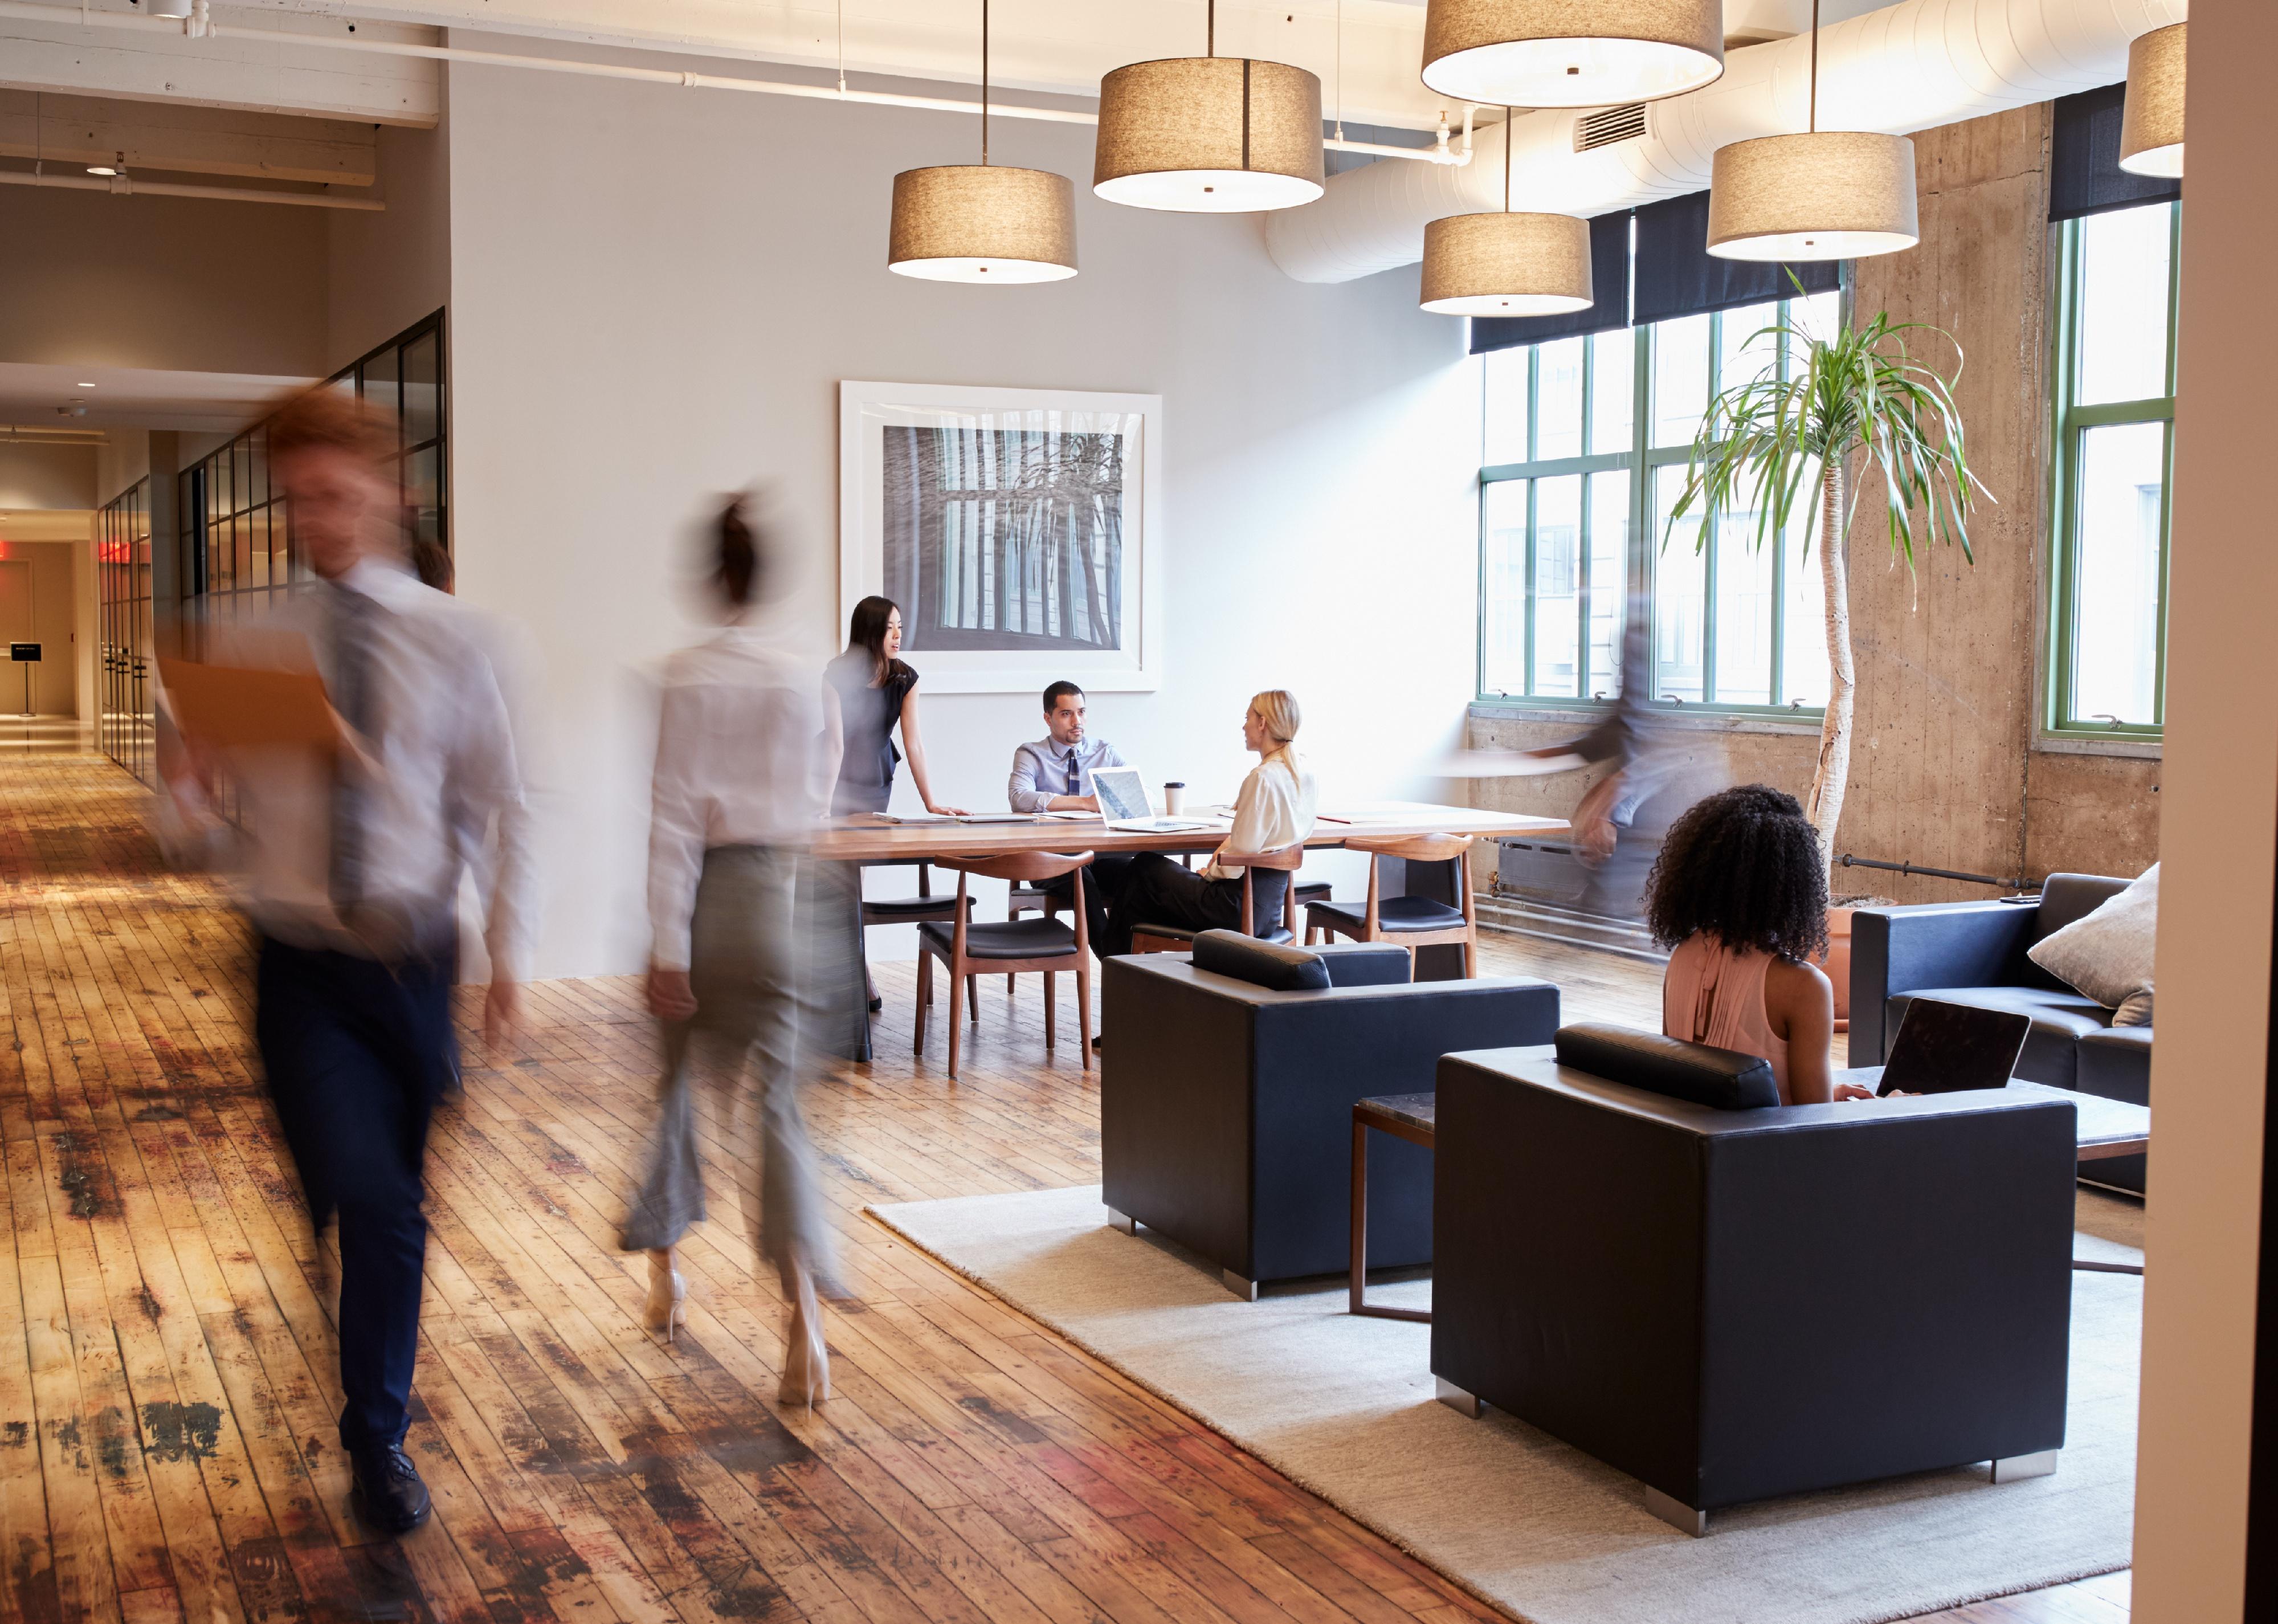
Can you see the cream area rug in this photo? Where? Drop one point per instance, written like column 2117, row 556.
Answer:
column 1344, row 1407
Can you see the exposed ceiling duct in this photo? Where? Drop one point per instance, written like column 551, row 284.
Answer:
column 1906, row 67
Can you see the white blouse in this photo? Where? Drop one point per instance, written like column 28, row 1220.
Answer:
column 1274, row 809
column 740, row 761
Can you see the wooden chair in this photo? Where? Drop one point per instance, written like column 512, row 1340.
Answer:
column 1178, row 939
column 969, row 949
column 1412, row 922
column 923, row 908
column 1021, row 900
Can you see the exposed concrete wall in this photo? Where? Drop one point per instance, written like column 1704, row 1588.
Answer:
column 1942, row 769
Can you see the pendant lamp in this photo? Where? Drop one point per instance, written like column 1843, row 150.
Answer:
column 2152, row 123
column 982, row 222
column 1208, row 134
column 1506, row 264
column 1823, row 194
column 1572, row 53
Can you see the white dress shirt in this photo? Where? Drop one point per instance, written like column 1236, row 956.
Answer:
column 1045, row 768
column 443, row 772
column 1274, row 809
column 741, row 759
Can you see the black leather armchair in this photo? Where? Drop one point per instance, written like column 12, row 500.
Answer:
column 1226, row 1098
column 1735, row 1304
column 1974, row 953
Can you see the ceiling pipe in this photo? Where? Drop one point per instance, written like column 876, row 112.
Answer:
column 128, row 186
column 1441, row 153
column 1904, row 68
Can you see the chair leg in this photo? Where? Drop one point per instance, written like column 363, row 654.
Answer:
column 973, row 996
column 955, row 1029
column 1083, row 1012
column 925, row 998
column 1051, row 1002
column 1471, row 955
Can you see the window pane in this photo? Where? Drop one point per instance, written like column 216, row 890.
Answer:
column 1803, row 661
column 1816, row 316
column 1609, row 532
column 1744, row 613
column 1506, row 405
column 423, row 501
column 1502, row 664
column 1613, row 382
column 1680, row 379
column 1680, row 577
column 256, row 534
column 2123, row 305
column 240, row 482
column 1558, row 400
column 1744, row 349
column 379, row 389
column 422, row 397
column 1557, row 583
column 2116, row 624
column 257, row 491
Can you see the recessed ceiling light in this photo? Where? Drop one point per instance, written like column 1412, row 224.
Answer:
column 87, row 385
column 101, row 169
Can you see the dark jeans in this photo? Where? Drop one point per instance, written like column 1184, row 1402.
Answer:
column 1103, row 883
column 1160, row 891
column 357, row 1052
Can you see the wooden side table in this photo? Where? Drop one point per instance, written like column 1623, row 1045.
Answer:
column 1412, row 1117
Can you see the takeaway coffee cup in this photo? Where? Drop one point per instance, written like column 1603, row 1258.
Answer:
column 1175, row 796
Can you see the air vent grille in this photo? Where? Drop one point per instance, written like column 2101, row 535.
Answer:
column 1605, row 128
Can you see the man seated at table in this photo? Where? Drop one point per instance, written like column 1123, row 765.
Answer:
column 1054, row 775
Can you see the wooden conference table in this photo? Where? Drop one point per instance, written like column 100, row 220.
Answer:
column 870, row 839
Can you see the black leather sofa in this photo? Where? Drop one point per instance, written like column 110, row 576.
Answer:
column 1227, row 1084
column 1733, row 1303
column 1974, row 953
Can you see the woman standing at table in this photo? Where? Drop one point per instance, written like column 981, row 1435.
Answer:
column 877, row 691
column 1275, row 809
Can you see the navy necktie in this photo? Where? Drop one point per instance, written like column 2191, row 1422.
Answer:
column 1075, row 776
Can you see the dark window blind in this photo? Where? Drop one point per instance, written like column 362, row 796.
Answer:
column 2085, row 173
column 1677, row 276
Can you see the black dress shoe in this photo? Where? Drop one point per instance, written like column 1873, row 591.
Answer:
column 389, row 1494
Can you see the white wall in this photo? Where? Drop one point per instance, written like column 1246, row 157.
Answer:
column 655, row 294
column 390, row 269
column 33, row 476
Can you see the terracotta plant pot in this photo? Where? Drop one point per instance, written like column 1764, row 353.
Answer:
column 1837, row 962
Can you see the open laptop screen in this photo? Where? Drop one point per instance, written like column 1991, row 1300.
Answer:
column 1122, row 792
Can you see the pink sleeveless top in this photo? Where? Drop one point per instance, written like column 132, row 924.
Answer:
column 1714, row 994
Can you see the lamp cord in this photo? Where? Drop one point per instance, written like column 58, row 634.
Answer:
column 1341, row 70
column 1506, row 160
column 1209, row 36
column 842, row 47
column 1815, row 66
column 984, row 82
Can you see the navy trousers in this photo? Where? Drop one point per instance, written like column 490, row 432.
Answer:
column 357, row 1052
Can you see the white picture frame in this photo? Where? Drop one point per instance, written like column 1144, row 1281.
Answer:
column 1079, row 546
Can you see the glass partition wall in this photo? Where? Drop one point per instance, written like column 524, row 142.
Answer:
column 124, row 724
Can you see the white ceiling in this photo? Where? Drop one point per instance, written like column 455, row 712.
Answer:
column 133, row 397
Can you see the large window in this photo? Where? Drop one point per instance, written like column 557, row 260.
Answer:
column 1587, row 442
column 122, row 564
column 2113, row 390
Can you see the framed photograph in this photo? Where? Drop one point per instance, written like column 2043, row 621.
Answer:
column 1014, row 527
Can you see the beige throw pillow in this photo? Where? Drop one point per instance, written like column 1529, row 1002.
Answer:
column 2107, row 955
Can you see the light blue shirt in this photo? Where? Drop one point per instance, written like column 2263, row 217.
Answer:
column 1045, row 769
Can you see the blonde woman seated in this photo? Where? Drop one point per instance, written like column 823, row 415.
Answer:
column 1740, row 894
column 1274, row 809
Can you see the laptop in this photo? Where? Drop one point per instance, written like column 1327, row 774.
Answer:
column 1125, row 804
column 1945, row 1048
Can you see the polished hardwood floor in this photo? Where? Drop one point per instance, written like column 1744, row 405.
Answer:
column 167, row 1380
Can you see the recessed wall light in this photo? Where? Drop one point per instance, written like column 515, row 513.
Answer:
column 101, row 169
column 87, row 385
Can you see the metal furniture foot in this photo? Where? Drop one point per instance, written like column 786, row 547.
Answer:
column 2016, row 1466
column 1246, row 1290
column 1684, row 1519
column 1464, row 1404
column 1124, row 1221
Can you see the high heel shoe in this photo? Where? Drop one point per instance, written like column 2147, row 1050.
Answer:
column 806, row 1359
column 667, row 1308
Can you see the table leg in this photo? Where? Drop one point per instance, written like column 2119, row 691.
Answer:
column 1360, row 1256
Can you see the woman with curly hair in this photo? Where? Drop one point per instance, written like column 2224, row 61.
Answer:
column 1739, row 896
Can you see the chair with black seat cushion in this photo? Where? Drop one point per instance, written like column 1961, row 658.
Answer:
column 1642, row 1253
column 1021, row 900
column 1412, row 922
column 968, row 949
column 1178, row 939
column 923, row 908
column 1225, row 1101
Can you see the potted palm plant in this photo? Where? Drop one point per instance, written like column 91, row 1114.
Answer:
column 1854, row 399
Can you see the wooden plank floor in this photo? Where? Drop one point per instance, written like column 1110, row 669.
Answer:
column 167, row 1369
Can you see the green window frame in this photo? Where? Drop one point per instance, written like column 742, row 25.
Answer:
column 2089, row 598
column 1513, row 589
